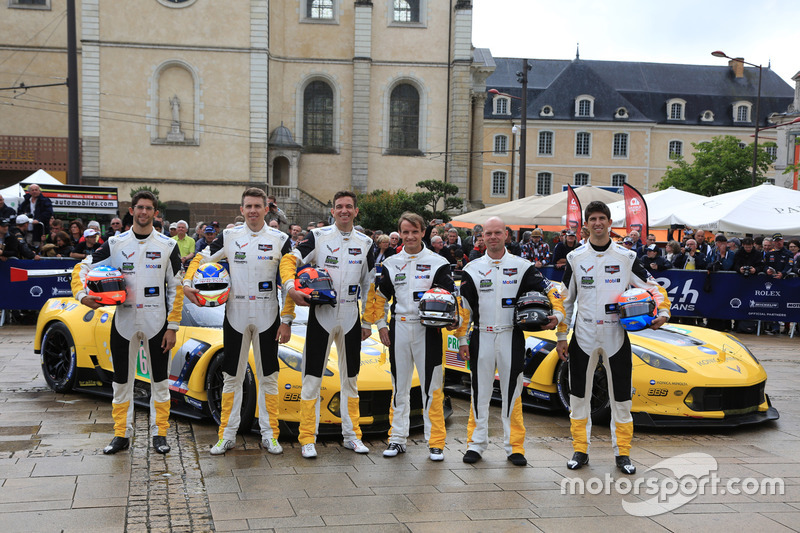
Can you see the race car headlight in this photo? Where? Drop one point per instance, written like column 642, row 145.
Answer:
column 743, row 347
column 294, row 360
column 655, row 360
column 334, row 404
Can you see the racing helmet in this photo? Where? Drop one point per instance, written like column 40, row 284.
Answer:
column 532, row 310
column 438, row 308
column 107, row 283
column 637, row 309
column 214, row 284
column 317, row 284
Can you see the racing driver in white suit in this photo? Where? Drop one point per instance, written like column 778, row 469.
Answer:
column 405, row 278
column 490, row 287
column 151, row 265
column 345, row 253
column 596, row 274
column 253, row 251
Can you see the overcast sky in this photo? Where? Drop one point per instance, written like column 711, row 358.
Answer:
column 678, row 31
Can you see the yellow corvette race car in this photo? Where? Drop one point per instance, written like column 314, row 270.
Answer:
column 73, row 342
column 682, row 376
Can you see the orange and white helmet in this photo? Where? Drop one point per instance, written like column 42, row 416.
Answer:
column 214, row 284
column 107, row 283
column 438, row 308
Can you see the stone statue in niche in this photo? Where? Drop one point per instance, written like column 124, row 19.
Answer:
column 175, row 134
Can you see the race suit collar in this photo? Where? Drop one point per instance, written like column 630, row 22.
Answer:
column 600, row 248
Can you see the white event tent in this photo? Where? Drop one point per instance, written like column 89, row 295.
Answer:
column 14, row 194
column 661, row 206
column 764, row 209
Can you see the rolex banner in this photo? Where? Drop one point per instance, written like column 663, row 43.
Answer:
column 635, row 212
column 574, row 211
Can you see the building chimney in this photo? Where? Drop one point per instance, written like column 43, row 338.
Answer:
column 737, row 66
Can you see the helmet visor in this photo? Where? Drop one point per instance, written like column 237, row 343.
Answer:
column 437, row 306
column 319, row 284
column 106, row 285
column 210, row 285
column 636, row 309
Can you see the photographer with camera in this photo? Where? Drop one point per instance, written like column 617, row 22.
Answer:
column 275, row 213
column 748, row 261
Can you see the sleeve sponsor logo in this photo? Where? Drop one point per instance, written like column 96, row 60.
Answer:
column 152, row 255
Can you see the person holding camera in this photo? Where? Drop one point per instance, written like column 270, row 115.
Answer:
column 274, row 212
column 748, row 261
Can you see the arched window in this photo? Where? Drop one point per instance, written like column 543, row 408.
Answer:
column 404, row 118
column 676, row 109
column 675, row 149
column 499, row 183
column 741, row 111
column 544, row 183
column 501, row 105
column 584, row 106
column 318, row 117
column 319, row 9
column 500, row 144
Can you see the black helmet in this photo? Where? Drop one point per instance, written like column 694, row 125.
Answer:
column 532, row 310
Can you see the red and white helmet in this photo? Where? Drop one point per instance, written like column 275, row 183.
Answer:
column 438, row 308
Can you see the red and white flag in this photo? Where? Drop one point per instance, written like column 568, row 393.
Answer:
column 635, row 212
column 574, row 211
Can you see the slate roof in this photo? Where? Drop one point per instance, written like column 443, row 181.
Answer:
column 642, row 88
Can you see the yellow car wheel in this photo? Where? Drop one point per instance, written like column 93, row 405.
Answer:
column 214, row 382
column 601, row 405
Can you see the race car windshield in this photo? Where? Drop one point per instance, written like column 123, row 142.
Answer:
column 437, row 306
column 210, row 286
column 106, row 285
column 636, row 309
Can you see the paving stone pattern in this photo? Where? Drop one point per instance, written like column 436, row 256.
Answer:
column 53, row 476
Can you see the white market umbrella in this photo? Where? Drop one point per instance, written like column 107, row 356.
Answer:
column 660, row 207
column 538, row 210
column 762, row 209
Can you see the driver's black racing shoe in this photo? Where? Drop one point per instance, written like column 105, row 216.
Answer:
column 160, row 444
column 625, row 465
column 578, row 460
column 117, row 444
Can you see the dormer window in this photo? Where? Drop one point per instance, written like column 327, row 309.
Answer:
column 584, row 106
column 676, row 109
column 707, row 116
column 741, row 111
column 502, row 105
column 621, row 113
column 547, row 111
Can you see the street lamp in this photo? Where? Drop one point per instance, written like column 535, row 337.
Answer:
column 718, row 53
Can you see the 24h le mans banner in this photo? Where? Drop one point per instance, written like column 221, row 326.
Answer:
column 725, row 295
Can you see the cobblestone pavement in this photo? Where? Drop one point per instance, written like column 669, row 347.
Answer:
column 53, row 476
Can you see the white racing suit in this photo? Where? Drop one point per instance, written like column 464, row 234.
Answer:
column 489, row 292
column 405, row 278
column 251, row 317
column 347, row 257
column 593, row 280
column 151, row 265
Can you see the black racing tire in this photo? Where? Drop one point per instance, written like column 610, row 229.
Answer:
column 214, row 382
column 601, row 403
column 59, row 361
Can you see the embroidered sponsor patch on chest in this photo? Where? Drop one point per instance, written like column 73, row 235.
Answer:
column 354, row 251
column 509, row 271
column 153, row 255
column 612, row 269
column 265, row 247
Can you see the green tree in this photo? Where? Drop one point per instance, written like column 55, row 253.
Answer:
column 381, row 209
column 436, row 191
column 719, row 166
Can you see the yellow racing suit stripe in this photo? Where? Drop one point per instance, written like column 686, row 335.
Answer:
column 227, row 406
column 77, row 282
column 193, row 266
column 624, row 433
column 162, row 417
column 517, row 427
column 580, row 442
column 288, row 271
column 436, row 414
column 119, row 412
column 355, row 414
column 375, row 305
